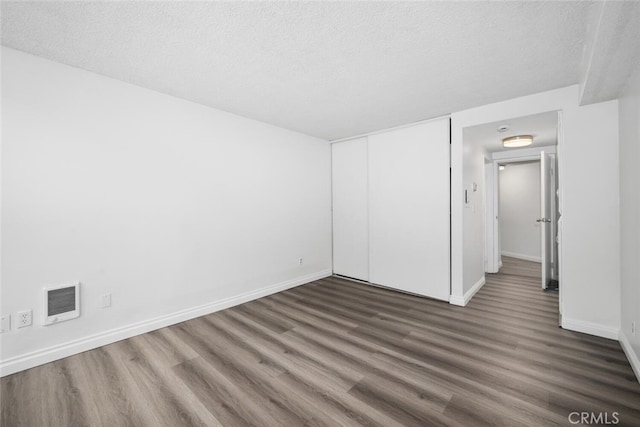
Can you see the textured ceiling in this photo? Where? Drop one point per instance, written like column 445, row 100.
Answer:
column 612, row 50
column 543, row 127
column 328, row 69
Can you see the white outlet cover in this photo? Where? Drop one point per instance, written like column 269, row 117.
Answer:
column 23, row 319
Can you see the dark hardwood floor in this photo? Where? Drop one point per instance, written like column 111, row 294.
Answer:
column 335, row 352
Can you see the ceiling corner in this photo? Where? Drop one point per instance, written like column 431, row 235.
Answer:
column 611, row 52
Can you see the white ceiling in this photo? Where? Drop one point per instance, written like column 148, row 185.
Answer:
column 543, row 127
column 329, row 69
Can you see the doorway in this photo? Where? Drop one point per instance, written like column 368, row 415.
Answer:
column 519, row 210
column 528, row 218
column 520, row 232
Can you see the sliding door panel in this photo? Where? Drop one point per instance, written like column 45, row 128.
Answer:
column 409, row 209
column 350, row 209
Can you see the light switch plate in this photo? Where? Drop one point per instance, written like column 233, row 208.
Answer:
column 105, row 301
column 5, row 324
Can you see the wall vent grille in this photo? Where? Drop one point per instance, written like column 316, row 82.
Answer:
column 61, row 302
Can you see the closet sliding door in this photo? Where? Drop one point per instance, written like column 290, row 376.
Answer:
column 409, row 209
column 350, row 209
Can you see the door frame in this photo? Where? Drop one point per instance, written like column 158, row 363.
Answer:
column 557, row 100
column 552, row 232
column 492, row 210
column 492, row 229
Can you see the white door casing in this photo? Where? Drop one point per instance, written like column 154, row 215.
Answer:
column 546, row 218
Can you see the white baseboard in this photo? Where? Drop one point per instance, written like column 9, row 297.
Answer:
column 457, row 300
column 50, row 354
column 631, row 355
column 590, row 328
column 522, row 256
column 464, row 300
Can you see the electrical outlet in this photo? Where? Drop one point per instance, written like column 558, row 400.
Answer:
column 5, row 324
column 300, row 261
column 105, row 301
column 24, row 318
column 633, row 328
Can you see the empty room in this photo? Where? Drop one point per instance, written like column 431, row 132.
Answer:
column 319, row 213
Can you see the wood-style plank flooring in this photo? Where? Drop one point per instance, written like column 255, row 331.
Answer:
column 518, row 267
column 335, row 352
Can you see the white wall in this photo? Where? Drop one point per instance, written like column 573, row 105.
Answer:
column 630, row 218
column 350, row 190
column 491, row 226
column 473, row 165
column 590, row 206
column 519, row 209
column 587, row 161
column 174, row 208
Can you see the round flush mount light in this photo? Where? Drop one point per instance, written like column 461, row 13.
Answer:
column 517, row 141
column 503, row 128
column 501, row 167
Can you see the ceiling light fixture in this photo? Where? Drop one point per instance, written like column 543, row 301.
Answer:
column 517, row 141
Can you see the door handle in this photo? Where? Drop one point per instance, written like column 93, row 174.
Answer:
column 543, row 220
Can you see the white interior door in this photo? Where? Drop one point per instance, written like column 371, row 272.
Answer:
column 409, row 209
column 546, row 217
column 350, row 209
